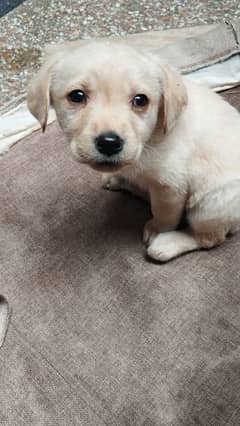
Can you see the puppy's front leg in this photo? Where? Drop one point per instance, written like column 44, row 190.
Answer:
column 117, row 182
column 167, row 208
column 113, row 182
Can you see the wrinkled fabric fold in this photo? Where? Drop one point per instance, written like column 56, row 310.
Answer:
column 218, row 44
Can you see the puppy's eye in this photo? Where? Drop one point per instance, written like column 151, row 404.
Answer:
column 77, row 96
column 140, row 101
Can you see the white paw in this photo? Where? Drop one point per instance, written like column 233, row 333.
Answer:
column 112, row 182
column 164, row 247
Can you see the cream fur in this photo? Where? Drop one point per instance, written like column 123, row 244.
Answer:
column 182, row 151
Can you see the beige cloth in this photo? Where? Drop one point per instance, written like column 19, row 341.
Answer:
column 216, row 45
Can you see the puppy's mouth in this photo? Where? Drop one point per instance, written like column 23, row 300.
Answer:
column 100, row 162
column 107, row 165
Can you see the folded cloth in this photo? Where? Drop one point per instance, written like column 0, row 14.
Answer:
column 218, row 44
column 4, row 318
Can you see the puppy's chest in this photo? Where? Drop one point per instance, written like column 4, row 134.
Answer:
column 147, row 180
column 157, row 171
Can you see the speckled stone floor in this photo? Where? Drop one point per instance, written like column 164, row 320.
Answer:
column 26, row 29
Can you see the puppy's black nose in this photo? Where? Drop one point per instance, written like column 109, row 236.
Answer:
column 109, row 143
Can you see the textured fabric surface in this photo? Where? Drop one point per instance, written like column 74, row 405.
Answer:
column 218, row 44
column 99, row 335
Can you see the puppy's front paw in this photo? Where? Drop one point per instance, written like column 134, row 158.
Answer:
column 112, row 182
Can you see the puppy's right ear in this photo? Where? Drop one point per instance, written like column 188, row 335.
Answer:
column 39, row 88
column 39, row 94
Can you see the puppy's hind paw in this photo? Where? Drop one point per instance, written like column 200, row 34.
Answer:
column 162, row 250
column 171, row 244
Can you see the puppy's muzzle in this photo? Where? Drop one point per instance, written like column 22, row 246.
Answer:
column 109, row 144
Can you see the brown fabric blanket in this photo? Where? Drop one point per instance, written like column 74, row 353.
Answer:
column 99, row 335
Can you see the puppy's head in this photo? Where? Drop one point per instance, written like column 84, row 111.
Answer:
column 109, row 99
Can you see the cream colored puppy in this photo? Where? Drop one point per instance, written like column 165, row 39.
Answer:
column 150, row 131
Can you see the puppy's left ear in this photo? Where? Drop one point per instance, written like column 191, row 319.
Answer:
column 174, row 97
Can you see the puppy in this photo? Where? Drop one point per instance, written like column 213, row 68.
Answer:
column 150, row 131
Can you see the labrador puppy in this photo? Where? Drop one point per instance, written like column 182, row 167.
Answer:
column 151, row 131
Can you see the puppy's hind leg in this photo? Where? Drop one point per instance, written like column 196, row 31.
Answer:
column 216, row 215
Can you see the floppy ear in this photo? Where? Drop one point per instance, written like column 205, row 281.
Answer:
column 39, row 89
column 39, row 94
column 38, row 98
column 174, row 97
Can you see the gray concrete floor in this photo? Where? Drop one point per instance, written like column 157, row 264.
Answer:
column 26, row 29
